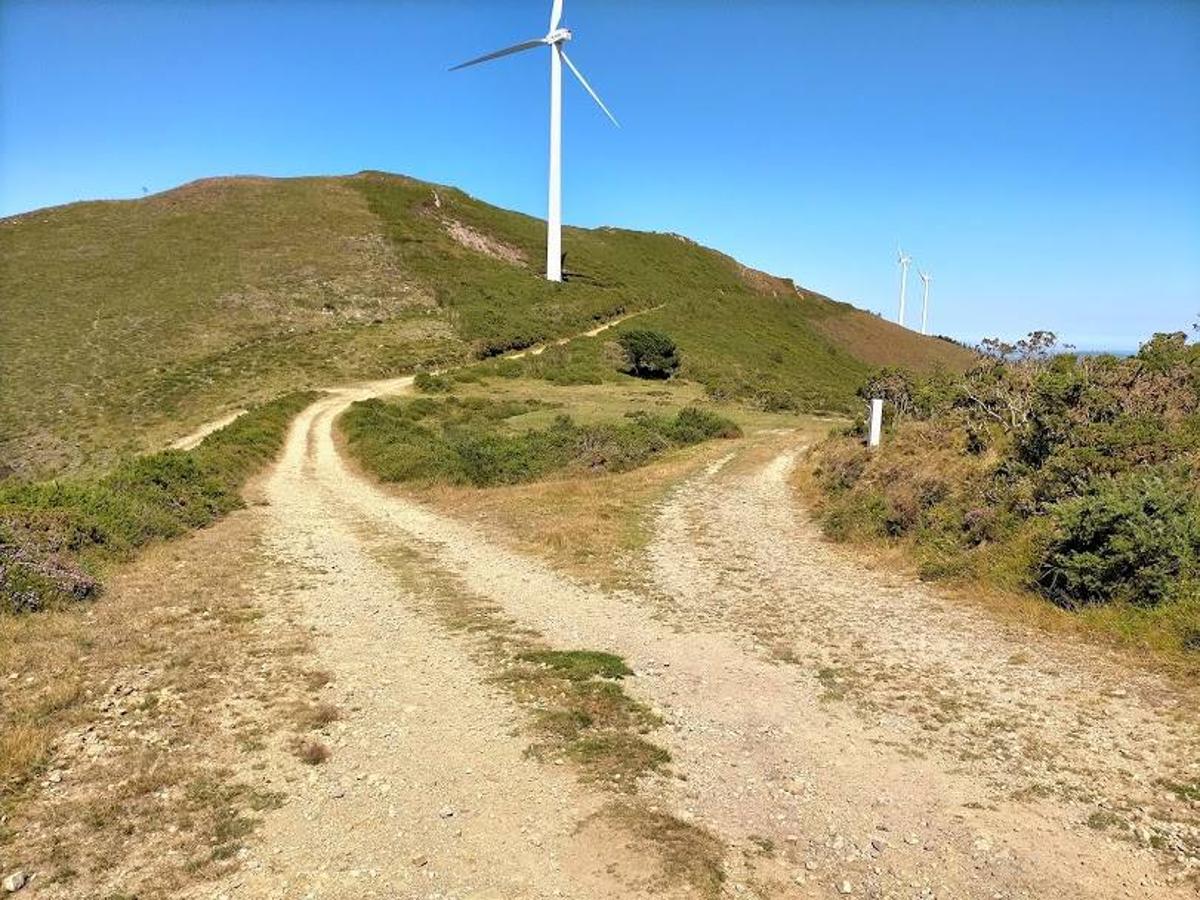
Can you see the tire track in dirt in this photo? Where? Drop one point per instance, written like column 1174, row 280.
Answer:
column 428, row 792
column 1023, row 715
column 808, row 791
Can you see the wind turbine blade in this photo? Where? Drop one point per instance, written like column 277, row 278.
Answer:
column 507, row 51
column 588, row 87
column 556, row 15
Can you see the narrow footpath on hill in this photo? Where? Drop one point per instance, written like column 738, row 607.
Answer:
column 838, row 731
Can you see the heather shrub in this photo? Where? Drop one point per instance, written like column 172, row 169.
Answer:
column 56, row 536
column 428, row 383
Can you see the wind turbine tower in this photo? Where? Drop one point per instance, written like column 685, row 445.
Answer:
column 905, row 262
column 925, row 279
column 556, row 38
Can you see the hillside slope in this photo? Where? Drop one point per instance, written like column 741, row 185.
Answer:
column 127, row 321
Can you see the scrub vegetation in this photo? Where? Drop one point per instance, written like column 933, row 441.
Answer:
column 1075, row 478
column 56, row 537
column 482, row 442
column 127, row 322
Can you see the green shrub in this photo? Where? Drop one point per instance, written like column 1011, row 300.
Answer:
column 1135, row 538
column 856, row 515
column 649, row 354
column 693, row 425
column 473, row 442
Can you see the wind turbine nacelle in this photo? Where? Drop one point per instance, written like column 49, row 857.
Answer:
column 559, row 36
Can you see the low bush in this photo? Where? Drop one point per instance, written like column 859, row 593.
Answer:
column 474, row 441
column 55, row 536
column 649, row 354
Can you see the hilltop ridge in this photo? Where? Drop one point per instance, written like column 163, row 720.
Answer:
column 126, row 320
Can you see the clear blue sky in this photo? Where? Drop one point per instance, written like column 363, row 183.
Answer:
column 1041, row 159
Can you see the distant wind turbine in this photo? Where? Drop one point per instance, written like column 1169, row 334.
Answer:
column 555, row 38
column 925, row 279
column 905, row 262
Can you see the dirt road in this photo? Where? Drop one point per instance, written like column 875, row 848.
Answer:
column 838, row 731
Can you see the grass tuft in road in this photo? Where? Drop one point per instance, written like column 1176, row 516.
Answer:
column 579, row 712
column 580, row 665
column 689, row 854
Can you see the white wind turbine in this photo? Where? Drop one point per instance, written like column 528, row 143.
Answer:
column 905, row 262
column 925, row 279
column 555, row 38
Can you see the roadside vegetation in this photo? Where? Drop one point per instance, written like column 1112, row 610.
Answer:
column 483, row 442
column 1073, row 478
column 57, row 537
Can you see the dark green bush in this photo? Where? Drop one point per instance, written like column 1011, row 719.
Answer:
column 1135, row 538
column 649, row 354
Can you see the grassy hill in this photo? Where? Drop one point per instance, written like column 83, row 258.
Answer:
column 126, row 322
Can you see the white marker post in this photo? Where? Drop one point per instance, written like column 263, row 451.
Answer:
column 876, row 423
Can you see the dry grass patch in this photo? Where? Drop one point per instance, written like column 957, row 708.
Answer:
column 688, row 854
column 315, row 679
column 130, row 729
column 314, row 716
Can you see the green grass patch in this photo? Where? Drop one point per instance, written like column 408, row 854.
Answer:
column 580, row 665
column 579, row 711
column 617, row 755
column 1103, row 819
column 1188, row 791
column 476, row 441
column 56, row 536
